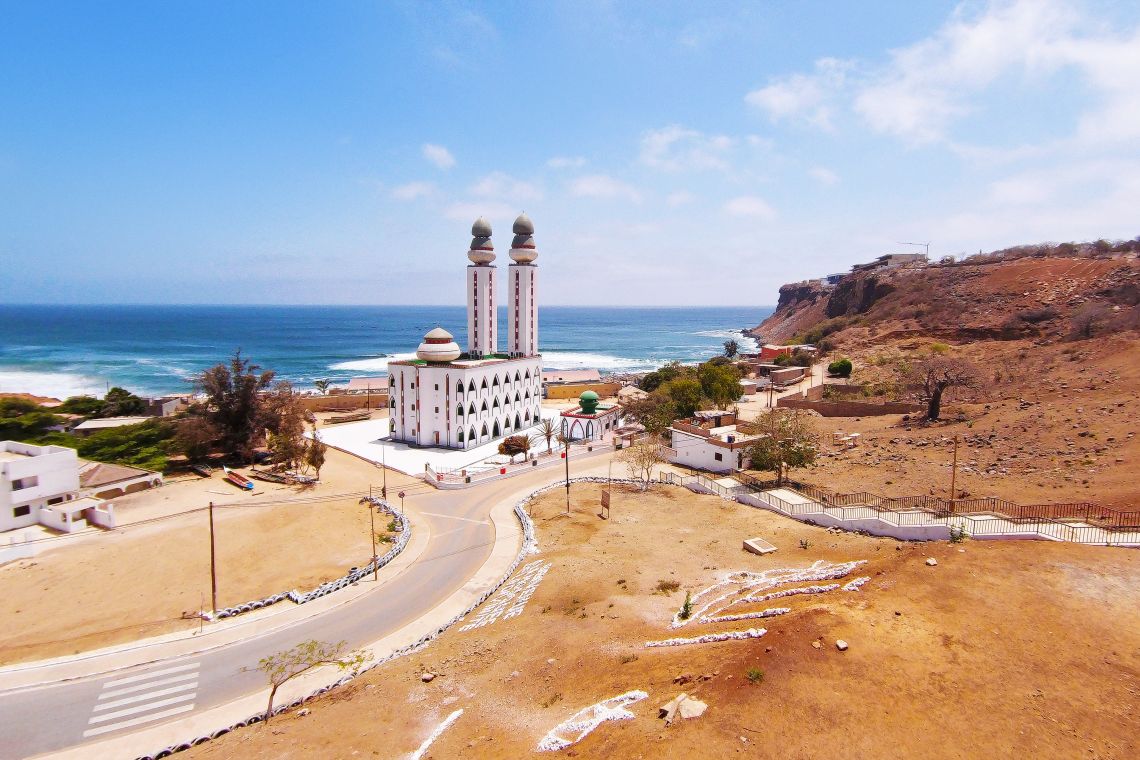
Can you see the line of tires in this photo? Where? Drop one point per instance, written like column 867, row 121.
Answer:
column 529, row 546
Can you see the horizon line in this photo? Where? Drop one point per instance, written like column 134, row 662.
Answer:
column 402, row 305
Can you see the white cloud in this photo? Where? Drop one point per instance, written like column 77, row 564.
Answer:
column 566, row 162
column 677, row 148
column 680, row 198
column 804, row 97
column 413, row 190
column 503, row 186
column 603, row 186
column 823, row 175
column 438, row 155
column 750, row 206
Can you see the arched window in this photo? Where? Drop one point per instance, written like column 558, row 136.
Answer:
column 460, row 437
column 527, row 396
column 495, row 382
column 459, row 388
column 484, row 429
column 484, row 406
column 459, row 411
column 516, row 375
column 527, row 376
column 471, row 435
column 526, row 417
column 518, row 422
column 483, row 387
column 496, row 432
column 471, row 386
column 589, row 429
column 516, row 397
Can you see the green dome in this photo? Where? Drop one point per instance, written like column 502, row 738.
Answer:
column 589, row 402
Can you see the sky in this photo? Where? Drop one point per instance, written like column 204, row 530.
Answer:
column 669, row 153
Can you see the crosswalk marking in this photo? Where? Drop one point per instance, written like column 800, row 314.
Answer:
column 144, row 698
column 148, row 676
column 145, row 686
column 137, row 721
column 101, row 705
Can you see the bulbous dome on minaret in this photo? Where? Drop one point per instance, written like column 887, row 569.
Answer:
column 522, row 247
column 482, row 251
column 438, row 346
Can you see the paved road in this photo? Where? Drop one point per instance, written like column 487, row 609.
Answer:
column 56, row 716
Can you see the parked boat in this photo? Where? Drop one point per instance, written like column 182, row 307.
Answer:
column 270, row 477
column 238, row 480
column 201, row 469
column 353, row 417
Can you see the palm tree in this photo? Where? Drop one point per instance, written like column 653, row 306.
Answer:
column 547, row 430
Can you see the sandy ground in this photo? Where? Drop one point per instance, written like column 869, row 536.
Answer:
column 1053, row 423
column 1004, row 649
column 105, row 588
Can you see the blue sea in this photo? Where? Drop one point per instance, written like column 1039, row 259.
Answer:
column 151, row 350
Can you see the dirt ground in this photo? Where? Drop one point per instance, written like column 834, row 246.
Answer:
column 105, row 588
column 1004, row 649
column 1054, row 423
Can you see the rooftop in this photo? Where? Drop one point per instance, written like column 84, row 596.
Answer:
column 571, row 376
column 110, row 422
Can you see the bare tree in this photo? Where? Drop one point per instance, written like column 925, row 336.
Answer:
column 548, row 430
column 283, row 667
column 787, row 439
column 640, row 458
column 1088, row 321
column 934, row 375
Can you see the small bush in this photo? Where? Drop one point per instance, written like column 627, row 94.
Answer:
column 687, row 607
column 755, row 675
column 628, row 658
column 840, row 368
column 958, row 534
column 804, row 543
column 667, row 587
column 939, row 348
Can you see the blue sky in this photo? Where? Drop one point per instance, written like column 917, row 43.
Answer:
column 669, row 153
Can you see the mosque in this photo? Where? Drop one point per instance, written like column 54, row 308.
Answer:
column 457, row 399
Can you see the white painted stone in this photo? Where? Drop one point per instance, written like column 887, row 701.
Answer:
column 932, row 562
column 841, row 645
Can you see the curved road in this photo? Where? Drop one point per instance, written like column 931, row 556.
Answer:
column 50, row 717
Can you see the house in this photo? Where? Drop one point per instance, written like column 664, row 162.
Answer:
column 709, row 440
column 770, row 351
column 84, row 429
column 167, row 406
column 40, row 484
column 893, row 261
column 105, row 481
column 749, row 387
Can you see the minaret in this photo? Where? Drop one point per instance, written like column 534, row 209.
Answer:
column 522, row 312
column 481, row 314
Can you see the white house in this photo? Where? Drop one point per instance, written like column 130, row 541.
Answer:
column 589, row 421
column 449, row 398
column 709, row 441
column 40, row 484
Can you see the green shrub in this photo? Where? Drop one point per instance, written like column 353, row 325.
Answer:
column 840, row 368
column 755, row 675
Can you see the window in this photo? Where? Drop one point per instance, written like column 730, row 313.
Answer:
column 23, row 511
column 29, row 482
column 413, row 406
column 437, row 386
column 56, row 500
column 718, row 457
column 437, row 410
column 413, row 384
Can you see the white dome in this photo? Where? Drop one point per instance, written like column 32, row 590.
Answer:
column 481, row 251
column 523, row 250
column 438, row 346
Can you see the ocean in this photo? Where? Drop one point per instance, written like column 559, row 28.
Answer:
column 152, row 350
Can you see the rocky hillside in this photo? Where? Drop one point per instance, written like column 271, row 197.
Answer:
column 985, row 297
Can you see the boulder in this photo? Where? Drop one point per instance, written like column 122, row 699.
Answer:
column 841, row 645
column 932, row 562
column 427, row 677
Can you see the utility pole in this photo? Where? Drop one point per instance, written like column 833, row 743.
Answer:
column 213, row 565
column 566, row 443
column 372, row 522
column 384, row 469
column 954, row 474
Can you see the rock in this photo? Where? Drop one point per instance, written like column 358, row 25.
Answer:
column 841, row 645
column 692, row 708
column 931, row 561
column 816, row 645
column 681, row 680
column 427, row 677
column 303, row 713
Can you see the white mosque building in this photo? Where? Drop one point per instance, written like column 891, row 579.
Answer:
column 457, row 399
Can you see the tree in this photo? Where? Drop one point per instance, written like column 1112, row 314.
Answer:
column 194, row 437
column 88, row 406
column 514, row 445
column 547, row 430
column 787, row 439
column 284, row 417
column 731, row 348
column 315, row 453
column 686, row 395
column 654, row 380
column 120, row 402
column 284, row 666
column 840, row 368
column 655, row 412
column 934, row 375
column 640, row 459
column 1088, row 320
column 322, row 386
column 720, row 383
column 234, row 404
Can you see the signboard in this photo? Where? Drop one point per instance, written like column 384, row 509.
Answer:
column 605, row 513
